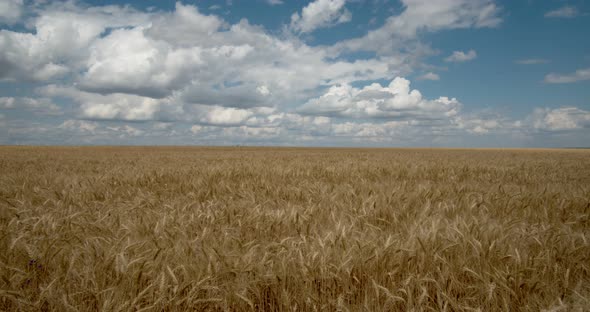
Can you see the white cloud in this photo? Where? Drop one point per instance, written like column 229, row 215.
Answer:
column 125, row 63
column 60, row 43
column 236, row 134
column 263, row 90
column 117, row 106
column 10, row 11
column 7, row 102
column 196, row 129
column 125, row 107
column 320, row 14
column 226, row 116
column 429, row 76
column 369, row 130
column 186, row 26
column 481, row 124
column 39, row 105
column 186, row 52
column 531, row 61
column 579, row 75
column 563, row 12
column 23, row 57
column 126, row 130
column 425, row 16
column 274, row 2
column 460, row 56
column 395, row 101
column 186, row 75
column 162, row 125
column 565, row 118
column 95, row 129
column 79, row 125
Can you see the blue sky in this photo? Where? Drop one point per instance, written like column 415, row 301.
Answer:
column 461, row 73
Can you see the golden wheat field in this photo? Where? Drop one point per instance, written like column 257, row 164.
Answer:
column 293, row 229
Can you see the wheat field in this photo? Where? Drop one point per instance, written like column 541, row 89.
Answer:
column 293, row 229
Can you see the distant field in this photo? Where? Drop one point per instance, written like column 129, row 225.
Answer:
column 293, row 229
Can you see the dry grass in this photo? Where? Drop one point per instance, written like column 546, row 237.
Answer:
column 177, row 229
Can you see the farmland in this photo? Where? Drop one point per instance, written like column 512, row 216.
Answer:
column 293, row 229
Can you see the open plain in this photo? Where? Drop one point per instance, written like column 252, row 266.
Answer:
column 293, row 229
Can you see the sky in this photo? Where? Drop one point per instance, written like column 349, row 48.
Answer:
column 444, row 73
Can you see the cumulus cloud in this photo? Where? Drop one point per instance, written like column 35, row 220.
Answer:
column 484, row 126
column 22, row 58
column 185, row 26
column 369, row 130
column 79, row 125
column 61, row 41
column 320, row 14
column 95, row 129
column 117, row 106
column 487, row 122
column 38, row 105
column 226, row 116
column 460, row 56
column 10, row 11
column 118, row 50
column 162, row 125
column 125, row 63
column 187, row 75
column 196, row 129
column 565, row 118
column 563, row 12
column 147, row 71
column 273, row 129
column 7, row 102
column 395, row 101
column 126, row 130
column 578, row 75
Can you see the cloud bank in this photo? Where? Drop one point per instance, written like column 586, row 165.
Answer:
column 115, row 74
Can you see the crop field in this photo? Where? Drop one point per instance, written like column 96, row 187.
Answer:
column 293, row 229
